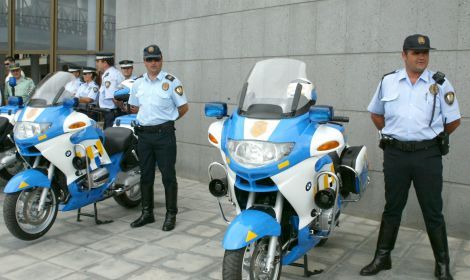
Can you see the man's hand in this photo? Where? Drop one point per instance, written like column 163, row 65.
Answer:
column 134, row 109
column 378, row 120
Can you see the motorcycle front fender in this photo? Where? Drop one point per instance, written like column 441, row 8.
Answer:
column 249, row 226
column 27, row 179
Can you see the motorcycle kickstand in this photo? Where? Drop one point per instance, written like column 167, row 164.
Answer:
column 307, row 273
column 95, row 215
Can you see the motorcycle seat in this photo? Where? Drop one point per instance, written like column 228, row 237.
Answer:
column 117, row 139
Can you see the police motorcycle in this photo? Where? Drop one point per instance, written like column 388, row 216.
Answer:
column 75, row 162
column 288, row 171
column 10, row 163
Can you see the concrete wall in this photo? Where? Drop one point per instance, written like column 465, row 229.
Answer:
column 347, row 45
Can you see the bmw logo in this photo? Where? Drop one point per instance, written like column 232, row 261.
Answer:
column 68, row 153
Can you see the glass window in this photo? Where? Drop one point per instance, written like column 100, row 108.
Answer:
column 33, row 21
column 80, row 60
column 76, row 22
column 109, row 25
column 3, row 24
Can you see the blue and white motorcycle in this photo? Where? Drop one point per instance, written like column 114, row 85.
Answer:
column 288, row 171
column 10, row 163
column 75, row 162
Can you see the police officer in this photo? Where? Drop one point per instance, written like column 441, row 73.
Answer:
column 73, row 86
column 24, row 85
column 88, row 91
column 127, row 67
column 158, row 99
column 415, row 110
column 109, row 81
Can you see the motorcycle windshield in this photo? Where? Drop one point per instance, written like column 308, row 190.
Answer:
column 276, row 88
column 52, row 90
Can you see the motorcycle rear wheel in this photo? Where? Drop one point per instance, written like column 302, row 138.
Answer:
column 22, row 217
column 247, row 263
column 130, row 198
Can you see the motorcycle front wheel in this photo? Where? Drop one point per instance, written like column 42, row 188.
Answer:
column 22, row 216
column 248, row 263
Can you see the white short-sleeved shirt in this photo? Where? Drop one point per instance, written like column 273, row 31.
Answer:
column 158, row 100
column 110, row 80
column 407, row 108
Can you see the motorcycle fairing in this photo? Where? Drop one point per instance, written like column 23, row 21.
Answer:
column 249, row 226
column 27, row 179
column 126, row 120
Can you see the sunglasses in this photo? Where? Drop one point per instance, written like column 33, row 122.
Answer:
column 151, row 59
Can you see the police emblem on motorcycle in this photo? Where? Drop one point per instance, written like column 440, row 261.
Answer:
column 179, row 90
column 433, row 89
column 449, row 97
column 165, row 86
column 68, row 153
column 107, row 84
column 259, row 128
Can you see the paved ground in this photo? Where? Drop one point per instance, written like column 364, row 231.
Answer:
column 72, row 250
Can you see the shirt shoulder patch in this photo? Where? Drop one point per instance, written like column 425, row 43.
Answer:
column 170, row 78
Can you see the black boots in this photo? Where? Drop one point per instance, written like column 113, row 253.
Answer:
column 147, row 207
column 385, row 244
column 146, row 218
column 171, row 196
column 438, row 239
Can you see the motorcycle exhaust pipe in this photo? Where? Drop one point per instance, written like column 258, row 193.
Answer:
column 7, row 160
column 218, row 187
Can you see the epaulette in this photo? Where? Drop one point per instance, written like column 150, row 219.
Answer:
column 393, row 72
column 138, row 77
column 170, row 78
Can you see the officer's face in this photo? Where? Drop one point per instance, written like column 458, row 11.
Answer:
column 416, row 61
column 87, row 77
column 16, row 73
column 100, row 65
column 153, row 65
column 126, row 71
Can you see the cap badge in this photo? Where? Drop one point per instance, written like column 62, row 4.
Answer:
column 150, row 50
column 449, row 98
column 107, row 84
column 179, row 90
column 165, row 86
column 433, row 89
column 421, row 40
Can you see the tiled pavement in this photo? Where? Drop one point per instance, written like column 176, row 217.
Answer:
column 82, row 250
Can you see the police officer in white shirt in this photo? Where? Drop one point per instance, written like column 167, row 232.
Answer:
column 110, row 79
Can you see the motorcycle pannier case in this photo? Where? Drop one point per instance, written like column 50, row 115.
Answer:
column 354, row 169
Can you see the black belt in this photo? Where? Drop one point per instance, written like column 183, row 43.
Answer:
column 155, row 128
column 410, row 146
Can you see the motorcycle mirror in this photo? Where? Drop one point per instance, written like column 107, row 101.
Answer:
column 70, row 102
column 12, row 82
column 321, row 113
column 15, row 101
column 215, row 109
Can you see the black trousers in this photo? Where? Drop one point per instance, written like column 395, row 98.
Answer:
column 424, row 169
column 109, row 119
column 159, row 146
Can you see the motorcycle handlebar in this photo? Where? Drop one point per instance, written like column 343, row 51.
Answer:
column 340, row 119
column 91, row 108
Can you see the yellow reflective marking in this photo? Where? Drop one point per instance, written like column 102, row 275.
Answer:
column 250, row 236
column 42, row 137
column 78, row 154
column 333, row 171
column 325, row 181
column 23, row 185
column 227, row 159
column 89, row 152
column 100, row 147
column 283, row 164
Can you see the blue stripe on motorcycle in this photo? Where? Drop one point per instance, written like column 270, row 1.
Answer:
column 27, row 179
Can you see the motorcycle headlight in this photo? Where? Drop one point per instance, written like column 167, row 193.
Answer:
column 25, row 130
column 252, row 153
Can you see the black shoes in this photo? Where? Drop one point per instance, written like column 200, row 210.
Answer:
column 385, row 244
column 382, row 261
column 170, row 220
column 146, row 218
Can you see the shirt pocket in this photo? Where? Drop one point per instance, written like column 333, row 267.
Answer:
column 164, row 101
